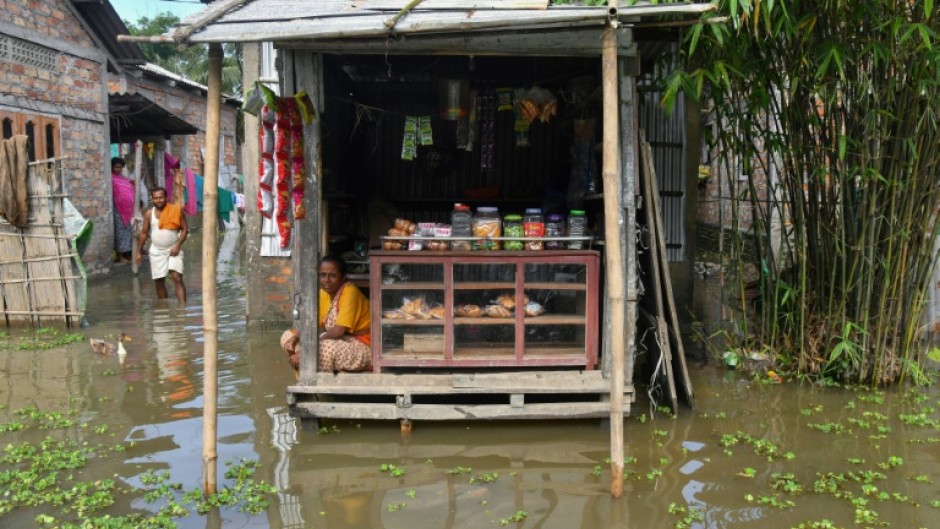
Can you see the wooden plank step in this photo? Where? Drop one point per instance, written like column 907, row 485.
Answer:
column 446, row 390
column 451, row 412
column 457, row 383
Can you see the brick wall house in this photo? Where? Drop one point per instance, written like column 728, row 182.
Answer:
column 59, row 60
column 52, row 87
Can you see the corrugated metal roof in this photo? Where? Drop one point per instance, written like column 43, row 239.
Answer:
column 159, row 71
column 105, row 23
column 291, row 20
column 134, row 117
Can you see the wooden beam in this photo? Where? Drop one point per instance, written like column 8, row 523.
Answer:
column 307, row 74
column 462, row 5
column 461, row 412
column 138, row 155
column 430, row 389
column 628, row 178
column 210, row 317
column 549, row 382
column 655, row 219
column 557, row 42
column 613, row 255
column 212, row 13
column 655, row 284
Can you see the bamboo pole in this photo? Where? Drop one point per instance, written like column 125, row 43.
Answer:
column 138, row 154
column 614, row 253
column 209, row 313
column 38, row 259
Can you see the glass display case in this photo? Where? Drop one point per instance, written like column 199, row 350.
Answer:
column 484, row 309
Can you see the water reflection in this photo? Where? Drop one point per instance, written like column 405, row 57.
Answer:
column 457, row 475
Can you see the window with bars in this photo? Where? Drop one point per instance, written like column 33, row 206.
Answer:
column 27, row 53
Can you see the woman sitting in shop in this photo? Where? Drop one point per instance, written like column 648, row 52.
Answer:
column 344, row 323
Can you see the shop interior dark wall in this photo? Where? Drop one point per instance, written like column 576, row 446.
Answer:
column 365, row 117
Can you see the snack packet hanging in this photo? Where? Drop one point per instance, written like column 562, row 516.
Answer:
column 409, row 147
column 425, row 134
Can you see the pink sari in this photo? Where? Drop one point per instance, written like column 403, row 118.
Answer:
column 123, row 190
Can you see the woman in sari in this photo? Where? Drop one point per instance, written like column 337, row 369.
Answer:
column 344, row 323
column 123, row 192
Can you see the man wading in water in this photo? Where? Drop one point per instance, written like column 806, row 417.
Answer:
column 165, row 225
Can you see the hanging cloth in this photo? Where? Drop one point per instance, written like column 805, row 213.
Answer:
column 14, row 201
column 170, row 163
column 191, row 198
column 226, row 203
column 266, row 164
column 199, row 182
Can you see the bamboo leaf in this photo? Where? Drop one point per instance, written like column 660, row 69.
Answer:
column 672, row 91
column 696, row 34
column 928, row 9
column 925, row 35
column 823, row 68
column 718, row 33
column 837, row 57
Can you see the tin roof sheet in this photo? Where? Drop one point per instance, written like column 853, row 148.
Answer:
column 291, row 20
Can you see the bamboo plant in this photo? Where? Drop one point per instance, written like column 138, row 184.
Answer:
column 824, row 124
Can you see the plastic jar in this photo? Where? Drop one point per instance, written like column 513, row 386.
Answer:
column 486, row 224
column 461, row 222
column 555, row 227
column 577, row 227
column 533, row 226
column 512, row 227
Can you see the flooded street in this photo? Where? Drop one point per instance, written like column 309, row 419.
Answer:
column 752, row 455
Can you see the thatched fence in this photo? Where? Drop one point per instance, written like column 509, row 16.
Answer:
column 42, row 280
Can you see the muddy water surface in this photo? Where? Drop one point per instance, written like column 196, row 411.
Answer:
column 752, row 455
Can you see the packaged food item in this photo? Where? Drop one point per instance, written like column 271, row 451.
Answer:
column 391, row 245
column 555, row 227
column 534, row 308
column 426, row 229
column 577, row 227
column 416, row 307
column 461, row 222
column 468, row 310
column 533, row 226
column 409, row 144
column 497, row 311
column 406, row 226
column 486, row 224
column 437, row 312
column 512, row 227
column 508, row 300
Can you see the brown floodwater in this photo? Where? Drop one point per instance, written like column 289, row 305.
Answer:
column 554, row 471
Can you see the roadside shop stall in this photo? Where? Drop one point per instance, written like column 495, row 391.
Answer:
column 453, row 151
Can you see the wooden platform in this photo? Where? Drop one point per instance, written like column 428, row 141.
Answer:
column 455, row 396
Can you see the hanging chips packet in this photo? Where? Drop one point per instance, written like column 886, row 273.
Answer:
column 409, row 144
column 425, row 134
